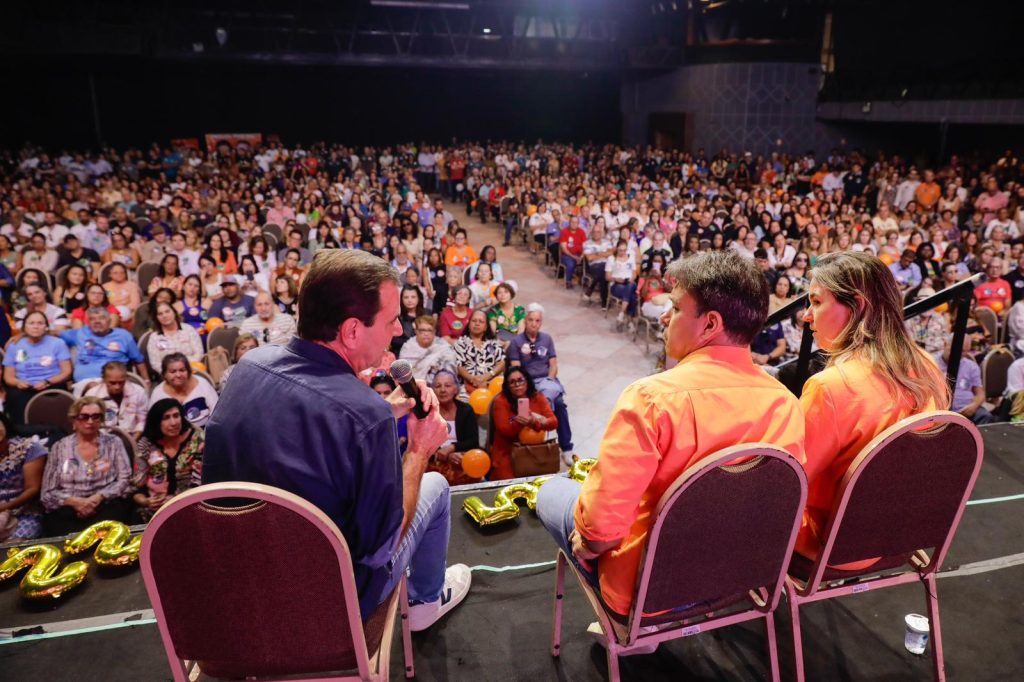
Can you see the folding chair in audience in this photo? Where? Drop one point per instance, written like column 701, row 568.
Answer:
column 269, row 591
column 904, row 494
column 994, row 369
column 716, row 553
column 50, row 408
column 146, row 273
column 990, row 321
column 223, row 337
column 273, row 229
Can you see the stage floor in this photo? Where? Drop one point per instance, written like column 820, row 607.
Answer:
column 104, row 630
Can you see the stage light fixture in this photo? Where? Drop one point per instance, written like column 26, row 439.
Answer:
column 486, row 31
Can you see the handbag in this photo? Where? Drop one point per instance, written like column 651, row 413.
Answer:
column 534, row 460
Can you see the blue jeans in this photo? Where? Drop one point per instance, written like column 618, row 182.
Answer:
column 510, row 224
column 555, row 393
column 423, row 552
column 556, row 509
column 570, row 267
column 626, row 292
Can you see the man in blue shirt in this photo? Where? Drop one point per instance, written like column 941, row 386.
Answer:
column 535, row 351
column 328, row 437
column 98, row 344
column 234, row 306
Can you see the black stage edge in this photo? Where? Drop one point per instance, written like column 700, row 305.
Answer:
column 502, row 631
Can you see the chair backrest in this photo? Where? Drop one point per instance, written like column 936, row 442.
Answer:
column 45, row 280
column 722, row 529
column 274, row 229
column 269, row 587
column 105, row 272
column 60, row 275
column 905, row 491
column 272, row 242
column 994, row 369
column 50, row 407
column 205, row 376
column 139, row 381
column 223, row 337
column 129, row 444
column 146, row 272
column 989, row 320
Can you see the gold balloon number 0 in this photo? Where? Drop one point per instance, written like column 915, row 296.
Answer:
column 44, row 578
column 507, row 502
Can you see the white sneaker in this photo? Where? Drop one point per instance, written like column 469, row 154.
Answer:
column 457, row 578
column 568, row 458
column 621, row 318
column 597, row 634
column 632, row 327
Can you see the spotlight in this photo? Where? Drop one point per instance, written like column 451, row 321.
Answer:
column 487, row 31
column 866, row 108
column 222, row 36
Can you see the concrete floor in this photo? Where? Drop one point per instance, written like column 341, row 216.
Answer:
column 595, row 362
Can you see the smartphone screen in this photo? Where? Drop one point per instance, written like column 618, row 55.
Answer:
column 524, row 408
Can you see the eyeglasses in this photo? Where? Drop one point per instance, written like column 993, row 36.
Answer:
column 516, row 382
column 89, row 417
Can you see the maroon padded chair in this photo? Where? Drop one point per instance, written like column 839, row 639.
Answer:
column 262, row 591
column 904, row 494
column 716, row 554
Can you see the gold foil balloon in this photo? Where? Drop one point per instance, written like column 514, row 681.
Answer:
column 506, row 502
column 42, row 579
column 116, row 546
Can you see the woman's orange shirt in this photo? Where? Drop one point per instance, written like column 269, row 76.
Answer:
column 506, row 432
column 463, row 257
column 845, row 407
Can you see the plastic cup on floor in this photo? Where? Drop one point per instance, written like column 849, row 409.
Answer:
column 916, row 638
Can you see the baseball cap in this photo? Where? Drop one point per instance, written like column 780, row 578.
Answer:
column 229, row 279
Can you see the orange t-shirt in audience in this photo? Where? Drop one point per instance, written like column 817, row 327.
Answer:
column 463, row 257
column 845, row 407
column 714, row 398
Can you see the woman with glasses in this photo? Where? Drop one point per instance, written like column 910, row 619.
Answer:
column 510, row 419
column 87, row 474
column 169, row 460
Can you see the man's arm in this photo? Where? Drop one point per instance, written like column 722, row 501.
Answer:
column 553, row 368
column 972, row 407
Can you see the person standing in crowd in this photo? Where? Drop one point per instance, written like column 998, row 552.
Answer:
column 534, row 350
column 714, row 398
column 394, row 516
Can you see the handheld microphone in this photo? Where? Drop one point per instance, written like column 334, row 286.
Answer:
column 401, row 372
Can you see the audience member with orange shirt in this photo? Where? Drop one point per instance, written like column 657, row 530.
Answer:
column 875, row 377
column 460, row 253
column 715, row 397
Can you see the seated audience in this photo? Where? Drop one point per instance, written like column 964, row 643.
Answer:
column 233, row 307
column 243, row 344
column 454, row 318
column 994, row 292
column 124, row 401
column 87, row 474
column 99, row 344
column 95, row 297
column 653, row 289
column 168, row 459
column 286, row 294
column 463, row 432
column 519, row 405
column 460, row 253
column 21, row 475
column 33, row 363
column 875, row 376
column 480, row 356
column 37, row 300
column 714, row 398
column 620, row 271
column 169, row 276
column 269, row 325
column 192, row 307
column 969, row 392
column 506, row 319
column 427, row 353
column 122, row 293
column 482, row 288
column 411, row 303
column 196, row 395
column 70, row 292
column 535, row 351
column 171, row 336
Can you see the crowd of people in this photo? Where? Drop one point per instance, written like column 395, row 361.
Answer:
column 115, row 266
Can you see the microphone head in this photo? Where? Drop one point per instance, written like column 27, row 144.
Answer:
column 401, row 371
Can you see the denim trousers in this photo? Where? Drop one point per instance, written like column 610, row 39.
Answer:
column 555, row 393
column 556, row 509
column 423, row 552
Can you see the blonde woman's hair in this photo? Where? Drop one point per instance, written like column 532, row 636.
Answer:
column 875, row 332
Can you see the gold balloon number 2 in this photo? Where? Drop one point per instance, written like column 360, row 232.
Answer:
column 44, row 578
column 506, row 503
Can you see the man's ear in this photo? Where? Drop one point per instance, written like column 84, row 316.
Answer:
column 349, row 332
column 714, row 324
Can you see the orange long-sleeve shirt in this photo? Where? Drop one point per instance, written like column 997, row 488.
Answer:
column 714, row 398
column 845, row 407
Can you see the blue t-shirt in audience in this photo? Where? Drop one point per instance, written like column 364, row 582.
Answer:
column 36, row 362
column 535, row 356
column 95, row 351
column 233, row 314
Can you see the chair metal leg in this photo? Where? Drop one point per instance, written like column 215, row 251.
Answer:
column 403, row 607
column 798, row 647
column 556, row 627
column 936, row 632
column 613, row 662
column 773, row 647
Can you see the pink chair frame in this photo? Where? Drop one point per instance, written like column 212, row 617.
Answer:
column 369, row 667
column 765, row 601
column 818, row 589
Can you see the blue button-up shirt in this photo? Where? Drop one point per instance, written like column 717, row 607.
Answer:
column 297, row 417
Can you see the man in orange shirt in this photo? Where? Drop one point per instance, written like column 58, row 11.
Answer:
column 928, row 192
column 713, row 398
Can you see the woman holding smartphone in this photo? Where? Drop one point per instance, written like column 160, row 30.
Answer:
column 519, row 405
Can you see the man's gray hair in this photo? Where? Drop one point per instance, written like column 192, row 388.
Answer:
column 97, row 310
column 729, row 283
column 535, row 308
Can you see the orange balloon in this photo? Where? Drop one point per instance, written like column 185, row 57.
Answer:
column 887, row 258
column 942, row 308
column 494, row 388
column 214, row 323
column 476, row 463
column 530, row 436
column 198, row 365
column 996, row 306
column 480, row 400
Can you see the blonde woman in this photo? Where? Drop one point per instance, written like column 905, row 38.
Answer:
column 876, row 376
